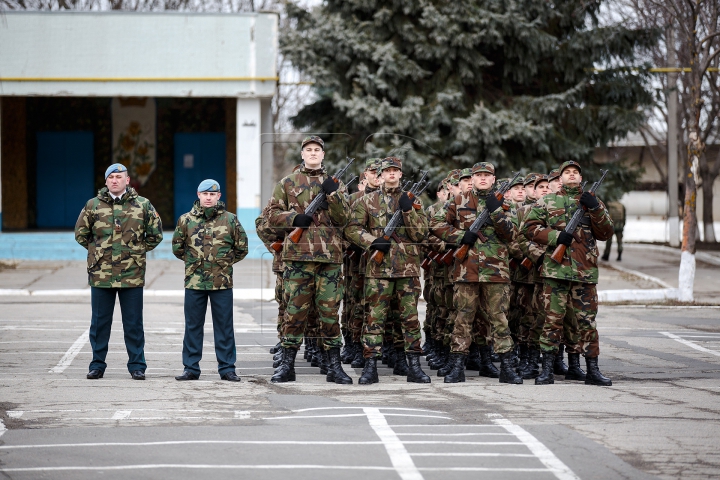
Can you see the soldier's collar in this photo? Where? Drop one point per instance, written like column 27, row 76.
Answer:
column 571, row 191
column 481, row 193
column 397, row 189
column 313, row 173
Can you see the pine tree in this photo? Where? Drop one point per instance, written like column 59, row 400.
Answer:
column 513, row 82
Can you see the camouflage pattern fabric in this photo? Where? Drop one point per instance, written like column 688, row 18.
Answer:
column 117, row 235
column 617, row 215
column 370, row 215
column 321, row 243
column 209, row 241
column 548, row 217
column 522, row 312
column 308, row 285
column 431, row 305
column 383, row 296
column 268, row 236
column 492, row 299
column 281, row 301
column 486, row 261
column 580, row 301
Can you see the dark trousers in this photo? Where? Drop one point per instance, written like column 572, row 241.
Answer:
column 102, row 301
column 221, row 306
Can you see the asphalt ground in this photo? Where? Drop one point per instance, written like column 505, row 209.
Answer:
column 660, row 418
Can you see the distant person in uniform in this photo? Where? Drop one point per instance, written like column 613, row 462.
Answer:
column 617, row 214
column 210, row 240
column 118, row 227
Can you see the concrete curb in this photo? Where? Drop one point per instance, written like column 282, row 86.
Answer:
column 699, row 256
column 630, row 295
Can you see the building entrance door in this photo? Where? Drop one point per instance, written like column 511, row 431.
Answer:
column 197, row 156
column 65, row 171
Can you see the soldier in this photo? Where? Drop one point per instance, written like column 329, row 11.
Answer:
column 209, row 239
column 482, row 279
column 521, row 287
column 570, row 285
column 393, row 286
column 313, row 265
column 118, row 227
column 554, row 181
column 617, row 214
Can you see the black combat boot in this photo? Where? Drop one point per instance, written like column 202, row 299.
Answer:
column 532, row 366
column 559, row 367
column 358, row 361
column 391, row 357
column 335, row 371
column 441, row 359
column 619, row 259
column 346, row 354
column 306, row 350
column 401, row 366
column 369, row 373
column 286, row 371
column 314, row 355
column 606, row 256
column 323, row 360
column 279, row 356
column 384, row 352
column 487, row 369
column 457, row 372
column 493, row 355
column 473, row 359
column 275, row 348
column 594, row 377
column 432, row 352
column 425, row 349
column 415, row 373
column 546, row 376
column 507, row 369
column 523, row 356
column 574, row 372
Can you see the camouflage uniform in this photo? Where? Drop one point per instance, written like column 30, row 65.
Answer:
column 313, row 266
column 269, row 236
column 117, row 234
column 395, row 283
column 210, row 240
column 617, row 214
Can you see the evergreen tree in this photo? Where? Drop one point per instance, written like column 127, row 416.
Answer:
column 508, row 81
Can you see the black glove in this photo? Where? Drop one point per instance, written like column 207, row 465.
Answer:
column 330, row 185
column 357, row 250
column 405, row 202
column 303, row 221
column 381, row 244
column 469, row 238
column 540, row 260
column 324, row 205
column 492, row 203
column 589, row 201
column 564, row 239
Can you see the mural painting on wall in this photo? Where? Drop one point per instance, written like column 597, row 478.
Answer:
column 133, row 127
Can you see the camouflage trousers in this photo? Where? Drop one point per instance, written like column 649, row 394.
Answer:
column 608, row 244
column 432, row 307
column 280, row 299
column 391, row 301
column 492, row 298
column 523, row 311
column 570, row 309
column 308, row 286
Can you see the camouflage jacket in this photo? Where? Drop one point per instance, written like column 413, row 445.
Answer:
column 321, row 242
column 359, row 262
column 268, row 236
column 117, row 235
column 370, row 215
column 486, row 261
column 210, row 241
column 617, row 214
column 434, row 243
column 548, row 217
column 530, row 250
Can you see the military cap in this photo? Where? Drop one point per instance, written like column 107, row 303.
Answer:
column 465, row 173
column 531, row 178
column 114, row 168
column 570, row 163
column 518, row 181
column 313, row 139
column 372, row 163
column 442, row 184
column 391, row 162
column 540, row 178
column 483, row 167
column 209, row 185
column 554, row 173
column 454, row 177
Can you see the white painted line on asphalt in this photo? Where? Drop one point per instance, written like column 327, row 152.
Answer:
column 262, row 467
column 354, row 415
column 401, row 460
column 2, row 427
column 477, row 454
column 242, row 414
column 185, row 442
column 15, row 413
column 690, row 344
column 70, row 355
column 544, row 454
column 363, row 408
column 452, row 434
column 121, row 414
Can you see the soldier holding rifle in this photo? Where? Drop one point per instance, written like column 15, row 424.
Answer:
column 569, row 269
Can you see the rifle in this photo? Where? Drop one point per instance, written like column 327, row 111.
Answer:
column 429, row 258
column 313, row 207
column 396, row 219
column 481, row 220
column 559, row 252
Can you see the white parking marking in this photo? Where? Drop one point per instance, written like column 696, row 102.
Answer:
column 70, row 355
column 121, row 414
column 476, row 454
column 544, row 454
column 690, row 344
column 242, row 414
column 399, row 457
column 184, row 442
column 15, row 413
column 261, row 467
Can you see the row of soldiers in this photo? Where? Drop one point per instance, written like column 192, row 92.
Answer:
column 506, row 293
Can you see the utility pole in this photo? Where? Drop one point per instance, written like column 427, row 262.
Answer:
column 672, row 144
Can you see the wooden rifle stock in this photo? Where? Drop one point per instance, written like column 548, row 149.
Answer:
column 447, row 258
column 526, row 263
column 559, row 253
column 461, row 252
column 425, row 265
column 277, row 245
column 296, row 234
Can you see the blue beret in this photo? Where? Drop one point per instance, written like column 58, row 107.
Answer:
column 115, row 167
column 209, row 185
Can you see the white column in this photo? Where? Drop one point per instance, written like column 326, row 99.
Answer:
column 1, row 223
column 267, row 183
column 248, row 160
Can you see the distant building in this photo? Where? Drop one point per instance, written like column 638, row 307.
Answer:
column 177, row 97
